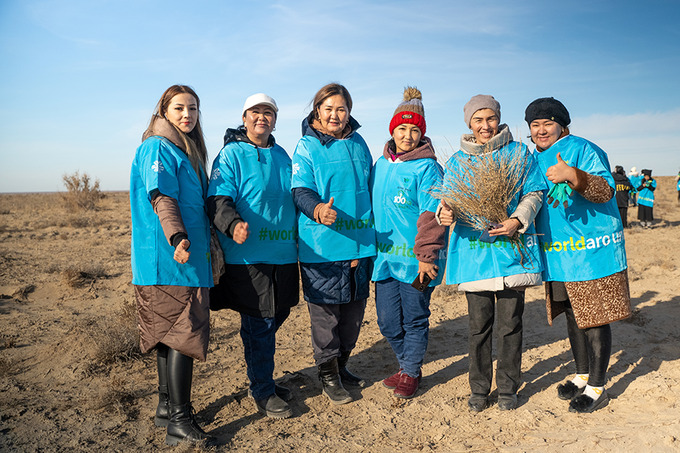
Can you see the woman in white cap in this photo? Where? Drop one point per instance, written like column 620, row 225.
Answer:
column 249, row 191
column 583, row 248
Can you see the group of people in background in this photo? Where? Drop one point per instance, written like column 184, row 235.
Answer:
column 332, row 219
column 636, row 189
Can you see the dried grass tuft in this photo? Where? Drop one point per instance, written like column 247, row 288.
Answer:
column 79, row 277
column 119, row 395
column 115, row 339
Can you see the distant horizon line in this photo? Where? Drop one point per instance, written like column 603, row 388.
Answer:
column 46, row 192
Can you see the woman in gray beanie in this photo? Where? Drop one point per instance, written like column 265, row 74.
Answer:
column 493, row 277
column 583, row 248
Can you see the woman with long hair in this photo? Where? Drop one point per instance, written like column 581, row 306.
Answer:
column 171, row 270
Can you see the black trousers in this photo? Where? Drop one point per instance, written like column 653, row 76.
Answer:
column 335, row 328
column 503, row 309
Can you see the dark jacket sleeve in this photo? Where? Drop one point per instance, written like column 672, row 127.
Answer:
column 223, row 214
column 306, row 200
column 167, row 210
column 430, row 239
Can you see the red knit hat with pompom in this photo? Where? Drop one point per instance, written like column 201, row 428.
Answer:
column 410, row 111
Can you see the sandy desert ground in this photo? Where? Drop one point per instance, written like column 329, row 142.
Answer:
column 70, row 379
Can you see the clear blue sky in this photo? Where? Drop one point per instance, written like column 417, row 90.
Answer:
column 80, row 79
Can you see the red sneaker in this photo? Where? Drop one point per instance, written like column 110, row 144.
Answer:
column 407, row 387
column 393, row 381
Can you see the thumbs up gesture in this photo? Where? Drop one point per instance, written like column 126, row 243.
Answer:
column 564, row 177
column 324, row 212
column 561, row 172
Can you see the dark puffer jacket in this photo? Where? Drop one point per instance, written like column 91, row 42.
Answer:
column 336, row 282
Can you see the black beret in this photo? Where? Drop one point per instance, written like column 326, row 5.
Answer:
column 647, row 172
column 547, row 109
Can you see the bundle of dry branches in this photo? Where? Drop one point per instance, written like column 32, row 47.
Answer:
column 482, row 187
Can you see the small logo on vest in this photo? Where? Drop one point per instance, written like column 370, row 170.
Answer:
column 296, row 168
column 158, row 166
column 400, row 199
column 215, row 174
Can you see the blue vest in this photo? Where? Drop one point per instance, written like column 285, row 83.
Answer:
column 339, row 169
column 258, row 180
column 401, row 192
column 646, row 196
column 584, row 241
column 160, row 166
column 470, row 259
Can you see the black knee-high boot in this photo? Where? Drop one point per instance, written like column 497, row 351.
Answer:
column 163, row 410
column 182, row 425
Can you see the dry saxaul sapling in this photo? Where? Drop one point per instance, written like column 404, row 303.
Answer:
column 482, row 187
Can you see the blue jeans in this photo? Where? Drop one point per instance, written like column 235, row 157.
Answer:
column 259, row 346
column 403, row 318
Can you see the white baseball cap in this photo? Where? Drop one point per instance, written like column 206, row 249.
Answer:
column 257, row 99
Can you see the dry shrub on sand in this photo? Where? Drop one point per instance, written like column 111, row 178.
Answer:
column 113, row 339
column 120, row 396
column 81, row 193
column 79, row 277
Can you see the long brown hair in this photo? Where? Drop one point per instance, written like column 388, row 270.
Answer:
column 193, row 141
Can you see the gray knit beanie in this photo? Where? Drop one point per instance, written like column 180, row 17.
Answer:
column 481, row 101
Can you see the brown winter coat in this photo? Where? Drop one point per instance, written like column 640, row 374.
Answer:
column 601, row 301
column 177, row 316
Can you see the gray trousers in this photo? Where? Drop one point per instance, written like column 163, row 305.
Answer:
column 503, row 309
column 335, row 328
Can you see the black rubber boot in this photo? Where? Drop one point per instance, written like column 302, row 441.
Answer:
column 163, row 410
column 329, row 376
column 346, row 376
column 182, row 426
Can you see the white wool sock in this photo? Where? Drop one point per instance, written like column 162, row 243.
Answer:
column 593, row 392
column 580, row 380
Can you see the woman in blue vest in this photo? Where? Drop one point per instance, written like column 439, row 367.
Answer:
column 410, row 242
column 249, row 192
column 583, row 247
column 646, row 188
column 494, row 276
column 171, row 270
column 331, row 169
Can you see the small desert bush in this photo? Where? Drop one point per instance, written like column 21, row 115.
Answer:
column 77, row 277
column 81, row 193
column 6, row 366
column 118, row 395
column 115, row 339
